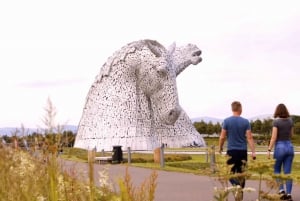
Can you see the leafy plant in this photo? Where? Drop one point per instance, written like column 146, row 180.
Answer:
column 255, row 169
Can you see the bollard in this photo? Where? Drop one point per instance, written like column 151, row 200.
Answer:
column 129, row 155
column 162, row 157
column 206, row 156
column 212, row 159
column 117, row 154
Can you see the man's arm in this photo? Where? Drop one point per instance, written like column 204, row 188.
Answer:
column 222, row 139
column 251, row 142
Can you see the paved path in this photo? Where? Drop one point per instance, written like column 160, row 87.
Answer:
column 172, row 186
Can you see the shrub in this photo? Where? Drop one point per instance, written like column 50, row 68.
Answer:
column 190, row 166
column 148, row 158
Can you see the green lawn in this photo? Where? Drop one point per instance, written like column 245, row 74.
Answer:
column 183, row 162
column 200, row 164
column 215, row 141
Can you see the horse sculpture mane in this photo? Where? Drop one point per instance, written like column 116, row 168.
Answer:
column 134, row 103
column 130, row 48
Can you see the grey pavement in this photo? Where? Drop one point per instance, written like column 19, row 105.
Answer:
column 171, row 186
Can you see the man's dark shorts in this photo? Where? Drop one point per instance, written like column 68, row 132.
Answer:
column 238, row 159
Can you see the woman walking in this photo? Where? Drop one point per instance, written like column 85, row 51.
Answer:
column 282, row 132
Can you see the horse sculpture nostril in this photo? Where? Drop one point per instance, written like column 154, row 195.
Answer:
column 197, row 53
column 172, row 113
column 173, row 116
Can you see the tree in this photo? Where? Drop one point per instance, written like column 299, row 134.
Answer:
column 297, row 128
column 295, row 118
column 210, row 128
column 7, row 138
column 217, row 128
column 266, row 126
column 68, row 138
column 256, row 126
column 200, row 127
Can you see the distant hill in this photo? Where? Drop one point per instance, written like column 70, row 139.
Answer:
column 270, row 116
column 12, row 130
column 214, row 120
column 207, row 119
column 261, row 117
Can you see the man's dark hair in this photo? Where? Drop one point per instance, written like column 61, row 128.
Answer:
column 236, row 106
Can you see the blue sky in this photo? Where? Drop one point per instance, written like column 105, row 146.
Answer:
column 56, row 48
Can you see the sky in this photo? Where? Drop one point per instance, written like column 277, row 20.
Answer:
column 55, row 49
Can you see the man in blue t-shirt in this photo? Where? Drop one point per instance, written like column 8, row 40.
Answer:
column 238, row 131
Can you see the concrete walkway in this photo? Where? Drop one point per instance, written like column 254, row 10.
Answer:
column 171, row 186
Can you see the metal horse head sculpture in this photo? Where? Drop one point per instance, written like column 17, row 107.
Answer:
column 135, row 88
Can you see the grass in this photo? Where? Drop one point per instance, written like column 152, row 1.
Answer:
column 260, row 169
column 24, row 177
column 190, row 163
column 215, row 140
column 198, row 163
column 28, row 176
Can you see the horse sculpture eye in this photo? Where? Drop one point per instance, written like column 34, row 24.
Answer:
column 162, row 72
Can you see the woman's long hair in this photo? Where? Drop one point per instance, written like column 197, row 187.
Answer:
column 281, row 111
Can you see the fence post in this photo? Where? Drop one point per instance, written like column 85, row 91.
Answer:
column 212, row 159
column 162, row 156
column 129, row 155
column 91, row 155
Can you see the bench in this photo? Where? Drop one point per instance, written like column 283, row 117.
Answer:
column 103, row 159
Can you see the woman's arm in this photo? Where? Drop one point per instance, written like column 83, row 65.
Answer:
column 273, row 140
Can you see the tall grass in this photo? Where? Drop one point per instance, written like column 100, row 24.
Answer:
column 41, row 177
column 143, row 193
column 21, row 178
column 38, row 173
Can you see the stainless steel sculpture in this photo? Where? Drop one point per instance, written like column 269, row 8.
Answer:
column 134, row 103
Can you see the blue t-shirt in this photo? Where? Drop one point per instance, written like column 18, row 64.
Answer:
column 236, row 128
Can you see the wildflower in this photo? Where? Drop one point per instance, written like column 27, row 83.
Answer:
column 249, row 189
column 41, row 198
column 104, row 179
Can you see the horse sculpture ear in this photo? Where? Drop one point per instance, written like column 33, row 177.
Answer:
column 152, row 45
column 172, row 48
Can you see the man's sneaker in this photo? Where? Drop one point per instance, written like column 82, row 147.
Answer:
column 283, row 195
column 288, row 197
